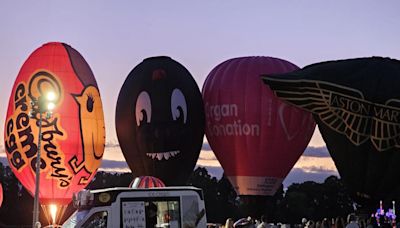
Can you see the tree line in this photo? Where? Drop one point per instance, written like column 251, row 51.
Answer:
column 309, row 199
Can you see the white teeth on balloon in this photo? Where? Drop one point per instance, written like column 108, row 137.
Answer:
column 163, row 155
column 152, row 155
column 166, row 155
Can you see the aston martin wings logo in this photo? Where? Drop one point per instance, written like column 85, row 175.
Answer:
column 344, row 110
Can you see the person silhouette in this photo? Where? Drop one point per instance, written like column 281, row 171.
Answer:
column 151, row 215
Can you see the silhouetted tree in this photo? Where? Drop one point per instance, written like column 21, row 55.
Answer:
column 256, row 206
column 17, row 207
column 109, row 180
column 309, row 199
column 228, row 200
column 220, row 197
column 315, row 201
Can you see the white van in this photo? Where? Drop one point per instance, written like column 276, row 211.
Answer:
column 174, row 207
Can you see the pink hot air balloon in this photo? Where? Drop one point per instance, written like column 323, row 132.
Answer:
column 146, row 182
column 256, row 137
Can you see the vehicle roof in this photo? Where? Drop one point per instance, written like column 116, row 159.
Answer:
column 127, row 189
column 104, row 197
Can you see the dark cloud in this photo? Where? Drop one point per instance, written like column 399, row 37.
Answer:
column 318, row 169
column 321, row 152
column 297, row 175
column 309, row 151
column 206, row 158
column 112, row 145
column 206, row 146
column 3, row 160
column 110, row 164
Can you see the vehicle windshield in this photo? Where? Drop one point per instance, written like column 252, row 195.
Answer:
column 151, row 212
column 76, row 217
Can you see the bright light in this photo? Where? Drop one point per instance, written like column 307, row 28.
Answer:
column 51, row 96
column 50, row 106
column 53, row 212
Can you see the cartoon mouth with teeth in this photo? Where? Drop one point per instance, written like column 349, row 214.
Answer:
column 163, row 155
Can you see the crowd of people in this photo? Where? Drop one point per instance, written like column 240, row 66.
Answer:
column 352, row 221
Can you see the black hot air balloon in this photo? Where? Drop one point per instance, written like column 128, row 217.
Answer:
column 356, row 104
column 160, row 120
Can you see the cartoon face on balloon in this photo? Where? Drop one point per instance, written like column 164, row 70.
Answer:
column 160, row 120
column 159, row 132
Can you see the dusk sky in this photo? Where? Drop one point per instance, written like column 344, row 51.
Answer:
column 115, row 36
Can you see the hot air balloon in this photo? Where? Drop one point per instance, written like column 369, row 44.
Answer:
column 1, row 194
column 146, row 182
column 160, row 120
column 255, row 136
column 73, row 137
column 356, row 104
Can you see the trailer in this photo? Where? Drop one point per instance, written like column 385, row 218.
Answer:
column 174, row 207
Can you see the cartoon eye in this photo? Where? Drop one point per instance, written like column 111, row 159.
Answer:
column 143, row 109
column 178, row 106
column 89, row 103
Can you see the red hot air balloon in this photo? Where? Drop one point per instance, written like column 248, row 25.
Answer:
column 146, row 182
column 73, row 138
column 255, row 136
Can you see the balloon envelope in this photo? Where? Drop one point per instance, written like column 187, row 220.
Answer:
column 356, row 104
column 160, row 120
column 256, row 137
column 1, row 194
column 73, row 137
column 146, row 182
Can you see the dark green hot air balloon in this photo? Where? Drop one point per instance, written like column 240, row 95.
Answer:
column 356, row 104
